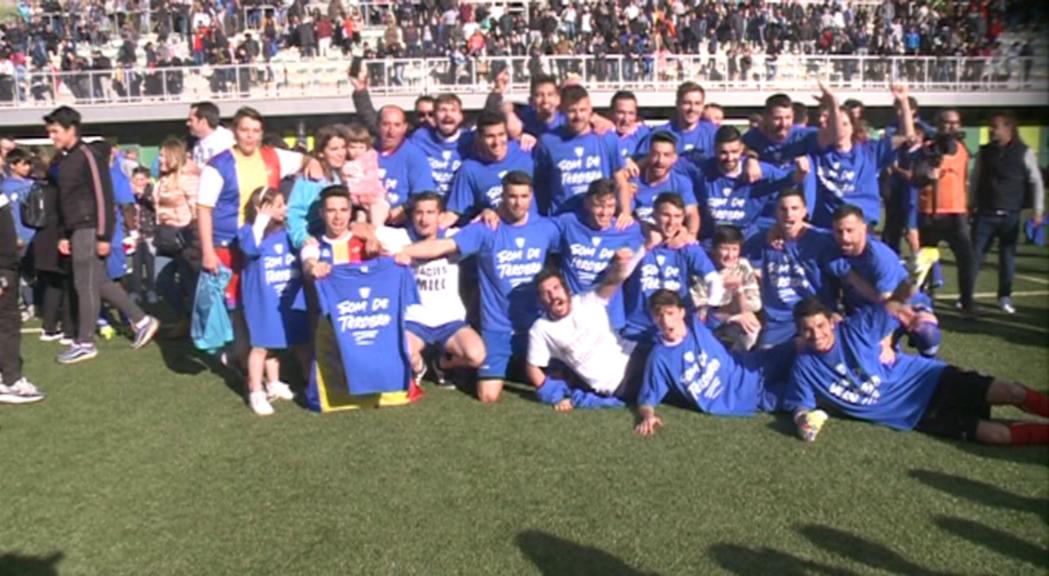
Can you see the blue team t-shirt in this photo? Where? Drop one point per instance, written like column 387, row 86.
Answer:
column 508, row 259
column 700, row 370
column 693, row 145
column 404, row 172
column 677, row 182
column 661, row 267
column 788, row 276
column 849, row 178
column 536, row 127
column 731, row 200
column 566, row 164
column 586, row 253
column 478, row 183
column 445, row 155
column 270, row 284
column 366, row 304
column 782, row 154
column 877, row 264
column 629, row 143
column 851, row 378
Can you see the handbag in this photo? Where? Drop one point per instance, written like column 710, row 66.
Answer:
column 171, row 240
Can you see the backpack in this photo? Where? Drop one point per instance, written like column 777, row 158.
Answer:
column 32, row 210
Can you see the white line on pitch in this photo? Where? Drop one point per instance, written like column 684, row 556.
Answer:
column 992, row 295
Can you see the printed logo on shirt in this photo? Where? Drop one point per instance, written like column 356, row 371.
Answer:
column 579, row 151
column 701, row 376
column 839, row 181
column 589, row 261
column 363, row 319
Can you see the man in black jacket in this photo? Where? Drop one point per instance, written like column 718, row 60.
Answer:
column 1005, row 179
column 14, row 388
column 85, row 206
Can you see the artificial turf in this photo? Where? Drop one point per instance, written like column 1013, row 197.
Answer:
column 149, row 463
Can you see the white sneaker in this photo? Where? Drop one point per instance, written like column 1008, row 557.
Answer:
column 279, row 391
column 259, row 404
column 21, row 392
column 1006, row 304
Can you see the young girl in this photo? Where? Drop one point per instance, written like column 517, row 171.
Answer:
column 270, row 283
column 361, row 176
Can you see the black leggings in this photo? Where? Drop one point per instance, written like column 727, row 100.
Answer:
column 57, row 304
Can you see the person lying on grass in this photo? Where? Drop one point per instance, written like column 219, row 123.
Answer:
column 575, row 358
column 689, row 362
column 840, row 368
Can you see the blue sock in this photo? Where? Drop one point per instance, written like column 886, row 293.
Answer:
column 552, row 391
column 585, row 399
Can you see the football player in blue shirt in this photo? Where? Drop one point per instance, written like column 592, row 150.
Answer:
column 871, row 272
column 689, row 362
column 695, row 136
column 659, row 173
column 629, row 127
column 447, row 144
column 666, row 265
column 841, row 367
column 846, row 165
column 569, row 158
column 726, row 194
column 510, row 252
column 478, row 183
column 403, row 167
column 589, row 240
column 791, row 258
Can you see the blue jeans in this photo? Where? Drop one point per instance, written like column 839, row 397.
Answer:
column 1005, row 227
column 174, row 282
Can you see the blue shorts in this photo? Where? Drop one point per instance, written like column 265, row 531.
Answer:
column 775, row 333
column 775, row 365
column 504, row 350
column 436, row 335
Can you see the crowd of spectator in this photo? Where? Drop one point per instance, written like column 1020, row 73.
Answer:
column 79, row 35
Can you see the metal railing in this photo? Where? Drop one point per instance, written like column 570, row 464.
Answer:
column 411, row 77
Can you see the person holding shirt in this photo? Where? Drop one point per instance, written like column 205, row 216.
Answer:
column 510, row 251
column 847, row 166
column 841, row 367
column 569, row 158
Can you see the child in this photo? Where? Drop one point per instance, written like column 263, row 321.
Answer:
column 16, row 187
column 140, row 283
column 271, row 281
column 361, row 175
column 14, row 388
column 735, row 314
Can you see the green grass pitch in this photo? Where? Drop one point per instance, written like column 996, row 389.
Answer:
column 148, row 463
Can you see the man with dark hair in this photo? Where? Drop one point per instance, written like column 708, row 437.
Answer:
column 1006, row 178
column 438, row 321
column 85, row 202
column 477, row 184
column 727, row 196
column 569, row 158
column 543, row 113
column 665, row 265
column 779, row 140
column 841, row 367
column 212, row 138
column 627, row 119
column 801, row 114
column 690, row 362
column 445, row 144
column 574, row 331
column 661, row 175
column 14, row 387
column 508, row 257
column 589, row 240
column 790, row 258
column 871, row 273
column 425, row 111
column 714, row 114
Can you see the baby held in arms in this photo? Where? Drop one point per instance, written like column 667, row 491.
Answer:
column 361, row 175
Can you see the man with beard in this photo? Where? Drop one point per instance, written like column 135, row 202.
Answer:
column 446, row 144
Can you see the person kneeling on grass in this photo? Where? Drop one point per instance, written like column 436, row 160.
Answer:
column 689, row 362
column 841, row 368
column 576, row 332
